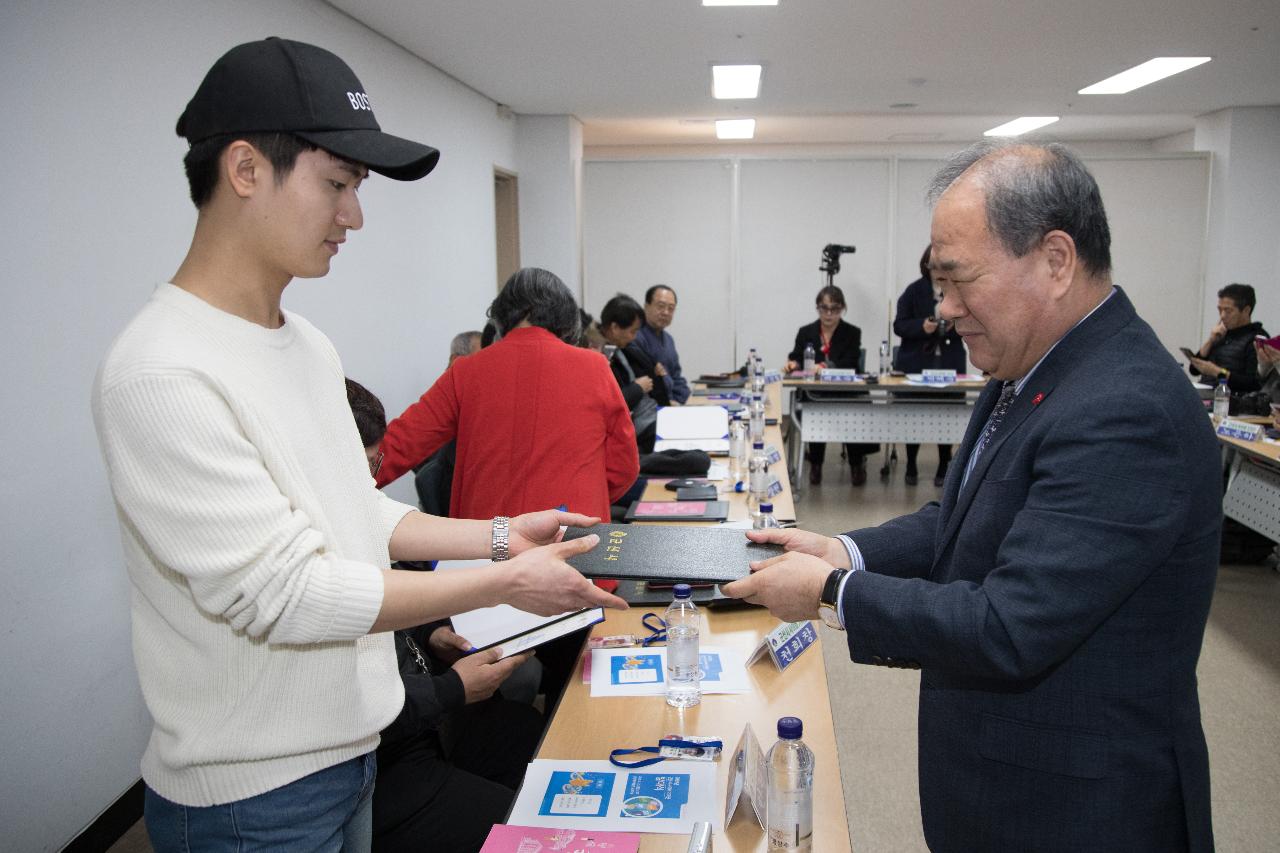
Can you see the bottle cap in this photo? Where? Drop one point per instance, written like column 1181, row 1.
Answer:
column 766, row 507
column 790, row 728
column 683, row 590
column 757, row 445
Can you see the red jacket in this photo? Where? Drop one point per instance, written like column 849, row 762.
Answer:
column 539, row 423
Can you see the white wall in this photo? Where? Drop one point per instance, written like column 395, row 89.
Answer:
column 550, row 177
column 670, row 223
column 647, row 219
column 1244, row 225
column 95, row 214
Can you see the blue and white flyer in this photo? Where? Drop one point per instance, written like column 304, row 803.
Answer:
column 642, row 671
column 669, row 797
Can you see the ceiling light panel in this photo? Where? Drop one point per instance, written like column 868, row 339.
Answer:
column 735, row 81
column 1144, row 74
column 736, row 128
column 1019, row 126
column 739, row 2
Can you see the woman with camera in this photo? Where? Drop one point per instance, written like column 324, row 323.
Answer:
column 928, row 342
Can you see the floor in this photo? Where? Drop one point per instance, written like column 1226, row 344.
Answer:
column 876, row 727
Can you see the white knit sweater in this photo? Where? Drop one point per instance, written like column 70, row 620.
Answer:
column 254, row 539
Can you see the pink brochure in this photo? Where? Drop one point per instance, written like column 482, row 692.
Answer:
column 533, row 839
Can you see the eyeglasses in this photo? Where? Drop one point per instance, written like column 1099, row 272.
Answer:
column 830, row 309
column 375, row 464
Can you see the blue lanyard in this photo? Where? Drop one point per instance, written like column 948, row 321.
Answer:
column 657, row 750
column 657, row 631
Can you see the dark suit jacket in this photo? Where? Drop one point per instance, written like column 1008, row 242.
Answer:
column 1056, row 606
column 916, row 352
column 846, row 341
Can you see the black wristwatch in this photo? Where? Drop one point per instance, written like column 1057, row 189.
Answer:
column 828, row 604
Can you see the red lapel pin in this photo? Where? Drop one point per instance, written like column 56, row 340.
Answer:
column 1035, row 401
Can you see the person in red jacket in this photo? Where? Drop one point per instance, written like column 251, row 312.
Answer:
column 539, row 422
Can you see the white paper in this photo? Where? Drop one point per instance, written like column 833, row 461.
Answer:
column 747, row 777
column 668, row 797
column 642, row 671
column 675, row 422
column 707, row 445
column 520, row 629
column 693, row 428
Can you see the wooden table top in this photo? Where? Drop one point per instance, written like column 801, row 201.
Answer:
column 587, row 728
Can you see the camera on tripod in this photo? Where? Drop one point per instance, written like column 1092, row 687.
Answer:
column 831, row 258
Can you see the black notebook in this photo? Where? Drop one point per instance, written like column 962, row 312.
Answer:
column 664, row 553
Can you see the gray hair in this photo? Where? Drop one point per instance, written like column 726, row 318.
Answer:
column 541, row 298
column 461, row 343
column 1032, row 189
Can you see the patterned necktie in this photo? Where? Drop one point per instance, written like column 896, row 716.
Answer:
column 993, row 423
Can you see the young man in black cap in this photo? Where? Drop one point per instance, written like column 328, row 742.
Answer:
column 256, row 543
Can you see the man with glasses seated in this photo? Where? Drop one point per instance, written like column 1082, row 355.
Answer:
column 835, row 344
column 654, row 341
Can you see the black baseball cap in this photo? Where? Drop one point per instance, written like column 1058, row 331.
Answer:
column 281, row 86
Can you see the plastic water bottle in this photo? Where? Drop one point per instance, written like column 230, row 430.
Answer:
column 751, row 367
column 738, row 430
column 1221, row 401
column 757, row 379
column 684, row 673
column 757, row 479
column 885, row 361
column 756, row 431
column 789, row 811
column 810, row 361
column 765, row 519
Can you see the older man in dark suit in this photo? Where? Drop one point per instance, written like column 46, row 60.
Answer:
column 1055, row 600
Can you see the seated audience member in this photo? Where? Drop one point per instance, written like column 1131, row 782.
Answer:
column 1229, row 349
column 591, row 338
column 654, row 340
column 463, row 344
column 928, row 342
column 835, row 344
column 620, row 322
column 451, row 795
column 538, row 421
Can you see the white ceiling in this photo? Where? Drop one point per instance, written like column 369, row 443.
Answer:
column 637, row 72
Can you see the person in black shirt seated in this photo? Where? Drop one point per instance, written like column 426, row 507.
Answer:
column 835, row 344
column 449, row 765
column 1229, row 349
column 927, row 343
column 642, row 388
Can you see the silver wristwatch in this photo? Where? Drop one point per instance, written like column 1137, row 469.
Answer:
column 501, row 542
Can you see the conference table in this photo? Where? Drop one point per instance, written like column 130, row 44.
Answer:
column 784, row 508
column 891, row 410
column 1253, row 483
column 586, row 728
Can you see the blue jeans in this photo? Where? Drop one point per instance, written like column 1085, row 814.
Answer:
column 331, row 810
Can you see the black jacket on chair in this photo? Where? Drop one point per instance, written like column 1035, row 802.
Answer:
column 846, row 342
column 641, row 365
